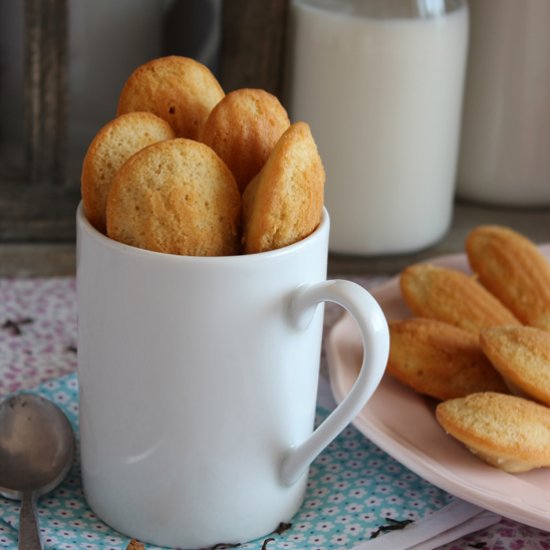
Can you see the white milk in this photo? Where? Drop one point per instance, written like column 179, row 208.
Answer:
column 383, row 98
column 505, row 151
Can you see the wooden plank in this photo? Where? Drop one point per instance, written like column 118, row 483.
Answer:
column 33, row 87
column 37, row 260
column 45, row 89
column 37, row 213
column 252, row 44
column 55, row 89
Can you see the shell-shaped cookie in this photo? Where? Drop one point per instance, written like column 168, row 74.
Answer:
column 452, row 297
column 284, row 202
column 506, row 431
column 176, row 197
column 180, row 90
column 514, row 270
column 439, row 360
column 243, row 129
column 112, row 146
column 522, row 356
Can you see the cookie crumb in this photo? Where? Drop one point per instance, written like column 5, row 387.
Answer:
column 135, row 545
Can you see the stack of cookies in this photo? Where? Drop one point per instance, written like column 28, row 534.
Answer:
column 186, row 169
column 480, row 345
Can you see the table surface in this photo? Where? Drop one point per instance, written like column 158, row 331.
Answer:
column 28, row 260
column 38, row 345
column 23, row 260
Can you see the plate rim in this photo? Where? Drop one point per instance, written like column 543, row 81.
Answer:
column 533, row 511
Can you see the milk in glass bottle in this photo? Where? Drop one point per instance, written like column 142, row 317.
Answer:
column 381, row 85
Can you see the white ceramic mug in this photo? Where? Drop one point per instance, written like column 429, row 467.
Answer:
column 198, row 380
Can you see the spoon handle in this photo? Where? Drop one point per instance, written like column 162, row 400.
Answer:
column 29, row 533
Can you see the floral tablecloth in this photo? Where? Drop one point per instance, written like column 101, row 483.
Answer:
column 355, row 491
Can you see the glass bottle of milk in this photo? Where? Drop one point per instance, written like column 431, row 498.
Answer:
column 381, row 83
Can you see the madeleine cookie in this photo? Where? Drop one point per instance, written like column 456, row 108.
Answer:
column 243, row 129
column 452, row 297
column 176, row 197
column 506, row 431
column 522, row 356
column 439, row 360
column 180, row 90
column 284, row 202
column 112, row 146
column 514, row 270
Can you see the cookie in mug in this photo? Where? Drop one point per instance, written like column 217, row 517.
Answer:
column 112, row 146
column 176, row 197
column 178, row 89
column 243, row 128
column 283, row 204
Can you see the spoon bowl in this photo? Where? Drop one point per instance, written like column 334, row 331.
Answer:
column 36, row 453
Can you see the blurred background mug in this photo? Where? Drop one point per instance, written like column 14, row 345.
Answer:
column 198, row 384
column 504, row 156
column 381, row 84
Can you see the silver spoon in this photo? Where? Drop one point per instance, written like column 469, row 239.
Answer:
column 36, row 453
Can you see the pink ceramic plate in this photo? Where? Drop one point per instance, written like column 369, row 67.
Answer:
column 402, row 423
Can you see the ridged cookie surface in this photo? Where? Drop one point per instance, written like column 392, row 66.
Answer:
column 284, row 202
column 514, row 270
column 439, row 360
column 176, row 197
column 112, row 146
column 180, row 90
column 243, row 129
column 522, row 356
column 452, row 297
column 506, row 431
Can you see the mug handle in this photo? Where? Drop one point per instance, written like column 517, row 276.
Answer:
column 375, row 336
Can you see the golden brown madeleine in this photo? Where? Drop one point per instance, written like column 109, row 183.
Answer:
column 176, row 197
column 439, row 360
column 452, row 297
column 506, row 431
column 514, row 270
column 284, row 202
column 112, row 146
column 243, row 129
column 180, row 90
column 522, row 356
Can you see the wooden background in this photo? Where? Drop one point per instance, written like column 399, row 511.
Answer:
column 38, row 203
column 38, row 197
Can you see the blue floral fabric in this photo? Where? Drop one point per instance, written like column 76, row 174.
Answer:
column 355, row 491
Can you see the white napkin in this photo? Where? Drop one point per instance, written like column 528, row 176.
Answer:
column 446, row 525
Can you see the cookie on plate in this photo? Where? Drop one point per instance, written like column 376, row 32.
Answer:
column 522, row 356
column 112, row 146
column 439, row 360
column 176, row 197
column 506, row 431
column 243, row 129
column 284, row 202
column 514, row 270
column 180, row 90
column 452, row 297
